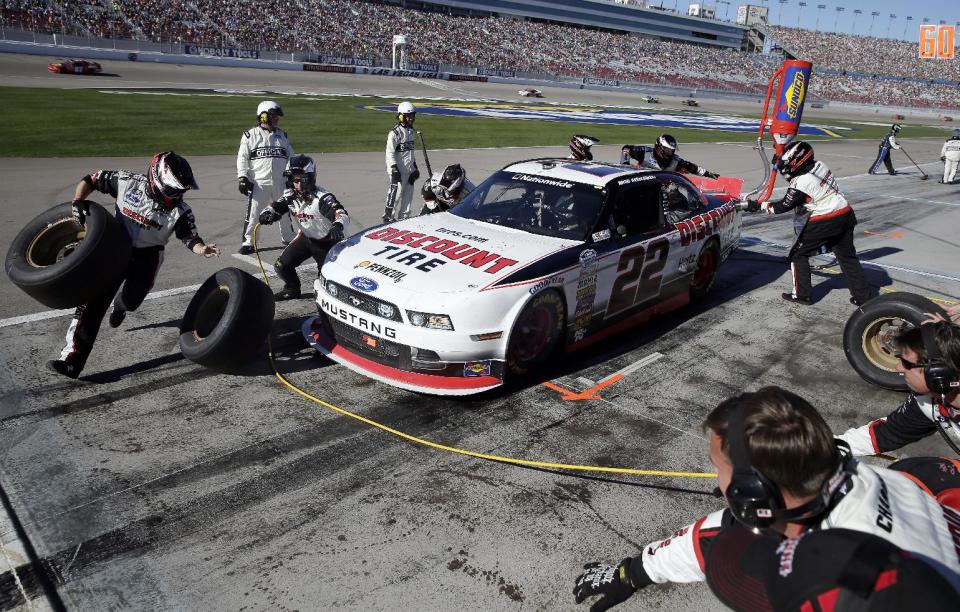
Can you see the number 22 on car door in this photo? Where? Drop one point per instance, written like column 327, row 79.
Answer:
column 638, row 275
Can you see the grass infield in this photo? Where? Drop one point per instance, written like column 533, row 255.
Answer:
column 92, row 122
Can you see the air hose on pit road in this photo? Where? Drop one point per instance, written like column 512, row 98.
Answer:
column 566, row 467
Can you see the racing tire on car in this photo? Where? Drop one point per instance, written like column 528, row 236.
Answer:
column 708, row 262
column 227, row 320
column 536, row 333
column 62, row 264
column 870, row 331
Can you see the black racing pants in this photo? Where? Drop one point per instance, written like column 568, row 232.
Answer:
column 836, row 234
column 300, row 249
column 133, row 288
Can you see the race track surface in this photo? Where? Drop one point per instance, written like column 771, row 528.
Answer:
column 155, row 483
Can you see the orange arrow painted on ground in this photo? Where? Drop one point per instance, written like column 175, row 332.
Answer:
column 896, row 234
column 569, row 395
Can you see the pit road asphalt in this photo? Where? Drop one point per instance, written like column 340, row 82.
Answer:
column 155, row 483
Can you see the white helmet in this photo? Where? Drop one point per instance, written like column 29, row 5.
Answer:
column 266, row 109
column 406, row 111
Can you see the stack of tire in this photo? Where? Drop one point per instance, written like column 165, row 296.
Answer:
column 62, row 264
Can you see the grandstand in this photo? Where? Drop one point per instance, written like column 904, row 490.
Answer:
column 595, row 39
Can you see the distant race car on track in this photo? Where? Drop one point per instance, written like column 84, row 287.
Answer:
column 651, row 99
column 544, row 254
column 530, row 92
column 689, row 102
column 75, row 66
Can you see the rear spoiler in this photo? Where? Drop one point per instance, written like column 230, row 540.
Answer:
column 728, row 185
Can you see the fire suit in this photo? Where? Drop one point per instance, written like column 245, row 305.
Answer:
column 150, row 226
column 830, row 224
column 315, row 213
column 402, row 170
column 434, row 199
column 879, row 501
column 883, row 154
column 262, row 158
column 644, row 157
column 950, row 156
column 915, row 419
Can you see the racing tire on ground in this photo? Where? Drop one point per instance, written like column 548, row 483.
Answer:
column 870, row 331
column 708, row 262
column 536, row 333
column 62, row 264
column 227, row 320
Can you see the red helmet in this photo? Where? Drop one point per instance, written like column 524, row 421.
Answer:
column 168, row 178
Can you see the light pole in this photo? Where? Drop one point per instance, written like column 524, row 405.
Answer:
column 726, row 13
column 820, row 8
column 906, row 24
column 780, row 12
column 890, row 23
column 855, row 13
column 840, row 9
column 873, row 17
column 800, row 12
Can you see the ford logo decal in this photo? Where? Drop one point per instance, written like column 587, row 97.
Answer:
column 364, row 284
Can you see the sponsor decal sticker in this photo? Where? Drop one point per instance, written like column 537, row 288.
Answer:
column 363, row 283
column 450, row 250
column 588, row 256
column 371, row 266
column 547, row 282
column 476, row 368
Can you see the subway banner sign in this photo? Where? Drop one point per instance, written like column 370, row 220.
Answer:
column 936, row 41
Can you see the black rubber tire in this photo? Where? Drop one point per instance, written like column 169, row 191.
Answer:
column 709, row 256
column 541, row 322
column 60, row 268
column 869, row 332
column 227, row 320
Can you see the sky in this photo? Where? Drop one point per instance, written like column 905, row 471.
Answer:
column 830, row 20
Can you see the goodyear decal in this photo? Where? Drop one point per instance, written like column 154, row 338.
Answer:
column 602, row 116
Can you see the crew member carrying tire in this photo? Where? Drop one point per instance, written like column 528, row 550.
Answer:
column 813, row 193
column 445, row 189
column 151, row 209
column 320, row 216
column 662, row 156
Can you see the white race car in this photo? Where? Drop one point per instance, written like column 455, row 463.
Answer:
column 650, row 99
column 543, row 254
column 530, row 92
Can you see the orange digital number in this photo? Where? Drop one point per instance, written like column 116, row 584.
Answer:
column 928, row 41
column 945, row 37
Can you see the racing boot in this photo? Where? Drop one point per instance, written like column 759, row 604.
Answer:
column 796, row 299
column 117, row 315
column 287, row 293
column 64, row 368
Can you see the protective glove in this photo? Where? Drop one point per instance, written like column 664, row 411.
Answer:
column 943, row 158
column 245, row 186
column 336, row 232
column 80, row 210
column 269, row 215
column 710, row 175
column 753, row 206
column 612, row 582
column 394, row 174
column 767, row 207
column 413, row 176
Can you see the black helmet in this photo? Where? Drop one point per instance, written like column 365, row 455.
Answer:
column 896, row 127
column 956, row 133
column 797, row 159
column 451, row 184
column 665, row 148
column 168, row 178
column 301, row 165
column 580, row 147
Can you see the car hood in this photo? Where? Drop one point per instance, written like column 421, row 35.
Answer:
column 435, row 254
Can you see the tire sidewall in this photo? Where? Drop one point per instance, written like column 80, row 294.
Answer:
column 554, row 301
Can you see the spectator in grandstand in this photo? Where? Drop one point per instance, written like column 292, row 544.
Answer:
column 883, row 151
column 783, row 473
column 930, row 364
column 661, row 156
column 950, row 156
column 261, row 160
column 813, row 193
column 151, row 208
column 401, row 164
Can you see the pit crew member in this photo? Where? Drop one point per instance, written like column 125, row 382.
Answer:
column 580, row 147
column 661, row 156
column 401, row 164
column 319, row 215
column 445, row 189
column 883, row 152
column 813, row 192
column 261, row 160
column 151, row 208
column 924, row 411
column 783, row 473
column 950, row 156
